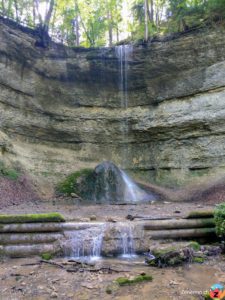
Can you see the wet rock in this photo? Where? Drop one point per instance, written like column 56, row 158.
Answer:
column 109, row 184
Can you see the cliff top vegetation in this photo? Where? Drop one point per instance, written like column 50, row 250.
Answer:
column 95, row 23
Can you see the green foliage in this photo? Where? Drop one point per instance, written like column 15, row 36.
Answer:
column 219, row 217
column 199, row 260
column 8, row 172
column 96, row 23
column 140, row 278
column 46, row 256
column 195, row 246
column 216, row 9
column 70, row 184
column 32, row 218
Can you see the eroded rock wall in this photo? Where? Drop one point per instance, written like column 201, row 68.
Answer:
column 60, row 108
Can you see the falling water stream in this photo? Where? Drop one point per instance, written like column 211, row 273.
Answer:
column 88, row 243
column 127, row 240
column 84, row 243
column 123, row 53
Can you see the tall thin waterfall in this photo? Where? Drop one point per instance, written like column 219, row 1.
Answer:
column 123, row 53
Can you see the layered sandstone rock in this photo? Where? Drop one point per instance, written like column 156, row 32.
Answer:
column 61, row 109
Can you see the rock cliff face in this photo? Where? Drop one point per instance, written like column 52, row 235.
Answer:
column 158, row 112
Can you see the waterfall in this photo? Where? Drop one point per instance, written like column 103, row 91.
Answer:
column 133, row 193
column 123, row 53
column 84, row 243
column 126, row 240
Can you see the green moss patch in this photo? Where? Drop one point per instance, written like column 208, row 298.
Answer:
column 47, row 256
column 140, row 278
column 195, row 246
column 73, row 182
column 219, row 216
column 8, row 172
column 199, row 260
column 31, row 218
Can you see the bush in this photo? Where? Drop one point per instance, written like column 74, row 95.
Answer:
column 219, row 217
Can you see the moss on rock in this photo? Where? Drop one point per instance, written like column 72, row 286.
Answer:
column 194, row 245
column 127, row 281
column 47, row 256
column 32, row 218
column 199, row 260
column 76, row 182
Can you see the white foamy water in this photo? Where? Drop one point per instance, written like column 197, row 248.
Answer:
column 133, row 193
column 84, row 243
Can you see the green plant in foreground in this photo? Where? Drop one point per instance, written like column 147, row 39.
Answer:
column 199, row 260
column 32, row 218
column 219, row 217
column 46, row 256
column 140, row 278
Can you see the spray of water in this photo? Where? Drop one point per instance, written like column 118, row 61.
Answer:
column 133, row 193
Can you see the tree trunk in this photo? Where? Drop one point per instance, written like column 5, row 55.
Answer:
column 29, row 238
column 36, row 5
column 29, row 250
column 109, row 17
column 16, row 9
column 3, row 7
column 146, row 19
column 151, row 14
column 181, row 233
column 77, row 25
column 77, row 31
column 179, row 224
column 48, row 15
column 31, row 227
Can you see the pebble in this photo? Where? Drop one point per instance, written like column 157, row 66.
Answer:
column 93, row 218
column 54, row 295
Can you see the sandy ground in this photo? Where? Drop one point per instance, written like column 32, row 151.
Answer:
column 19, row 280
